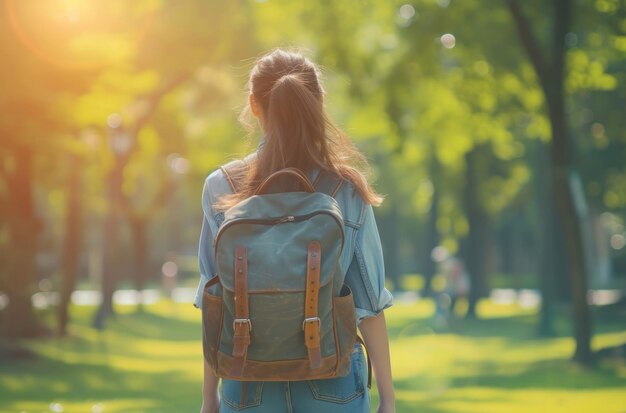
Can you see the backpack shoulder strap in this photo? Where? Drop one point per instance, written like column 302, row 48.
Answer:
column 325, row 182
column 328, row 183
column 234, row 172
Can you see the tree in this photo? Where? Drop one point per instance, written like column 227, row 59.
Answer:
column 31, row 110
column 564, row 179
column 74, row 236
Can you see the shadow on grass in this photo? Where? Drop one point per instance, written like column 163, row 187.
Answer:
column 433, row 395
column 512, row 328
column 90, row 366
column 517, row 327
column 48, row 380
column 148, row 325
column 544, row 374
column 429, row 393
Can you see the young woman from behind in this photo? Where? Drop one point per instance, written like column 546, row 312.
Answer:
column 287, row 99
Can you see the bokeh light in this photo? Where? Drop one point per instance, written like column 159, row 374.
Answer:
column 406, row 11
column 618, row 241
column 448, row 40
column 169, row 269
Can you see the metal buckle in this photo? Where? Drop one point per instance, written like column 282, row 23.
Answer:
column 313, row 320
column 242, row 321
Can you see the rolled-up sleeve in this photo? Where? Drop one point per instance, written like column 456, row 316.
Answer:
column 206, row 258
column 206, row 262
column 366, row 273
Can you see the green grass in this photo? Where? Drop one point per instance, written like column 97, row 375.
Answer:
column 151, row 362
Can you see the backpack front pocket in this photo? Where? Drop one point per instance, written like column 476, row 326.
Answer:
column 212, row 316
column 345, row 324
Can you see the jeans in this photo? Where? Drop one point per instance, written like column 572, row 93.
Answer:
column 336, row 395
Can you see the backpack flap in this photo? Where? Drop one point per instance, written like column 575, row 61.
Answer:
column 276, row 230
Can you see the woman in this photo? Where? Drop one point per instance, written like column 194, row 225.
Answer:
column 286, row 98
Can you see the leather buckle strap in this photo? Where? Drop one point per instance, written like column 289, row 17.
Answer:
column 244, row 321
column 242, row 326
column 312, row 323
column 313, row 320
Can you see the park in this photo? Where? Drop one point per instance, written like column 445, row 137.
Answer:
column 494, row 131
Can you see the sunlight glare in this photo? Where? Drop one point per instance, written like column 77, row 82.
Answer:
column 50, row 30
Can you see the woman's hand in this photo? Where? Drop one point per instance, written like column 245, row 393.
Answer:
column 374, row 331
column 386, row 407
column 210, row 394
column 211, row 405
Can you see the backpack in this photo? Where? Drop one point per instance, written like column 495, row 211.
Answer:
column 284, row 313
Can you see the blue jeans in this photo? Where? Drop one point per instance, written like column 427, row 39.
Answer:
column 336, row 395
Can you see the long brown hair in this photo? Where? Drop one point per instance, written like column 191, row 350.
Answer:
column 298, row 133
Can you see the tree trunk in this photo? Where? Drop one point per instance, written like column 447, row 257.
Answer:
column 545, row 239
column 562, row 175
column 433, row 237
column 110, row 242
column 139, row 225
column 73, row 241
column 19, row 318
column 117, row 199
column 577, row 266
column 551, row 77
column 475, row 251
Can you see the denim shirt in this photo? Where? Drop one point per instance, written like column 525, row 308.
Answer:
column 361, row 259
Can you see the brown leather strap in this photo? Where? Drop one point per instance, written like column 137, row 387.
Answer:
column 241, row 324
column 337, row 188
column 229, row 178
column 295, row 173
column 328, row 183
column 317, row 180
column 312, row 324
column 235, row 172
column 212, row 282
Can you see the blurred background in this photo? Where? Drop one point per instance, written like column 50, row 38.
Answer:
column 496, row 130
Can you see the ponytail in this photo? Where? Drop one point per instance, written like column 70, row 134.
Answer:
column 295, row 125
column 298, row 133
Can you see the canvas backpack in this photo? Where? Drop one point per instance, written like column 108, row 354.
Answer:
column 283, row 312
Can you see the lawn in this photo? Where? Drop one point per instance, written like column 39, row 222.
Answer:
column 151, row 362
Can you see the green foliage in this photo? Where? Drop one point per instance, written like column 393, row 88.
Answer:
column 391, row 82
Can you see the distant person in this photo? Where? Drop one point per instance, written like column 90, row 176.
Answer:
column 456, row 280
column 286, row 97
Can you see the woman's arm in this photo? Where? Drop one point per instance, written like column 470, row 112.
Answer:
column 374, row 331
column 210, row 395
